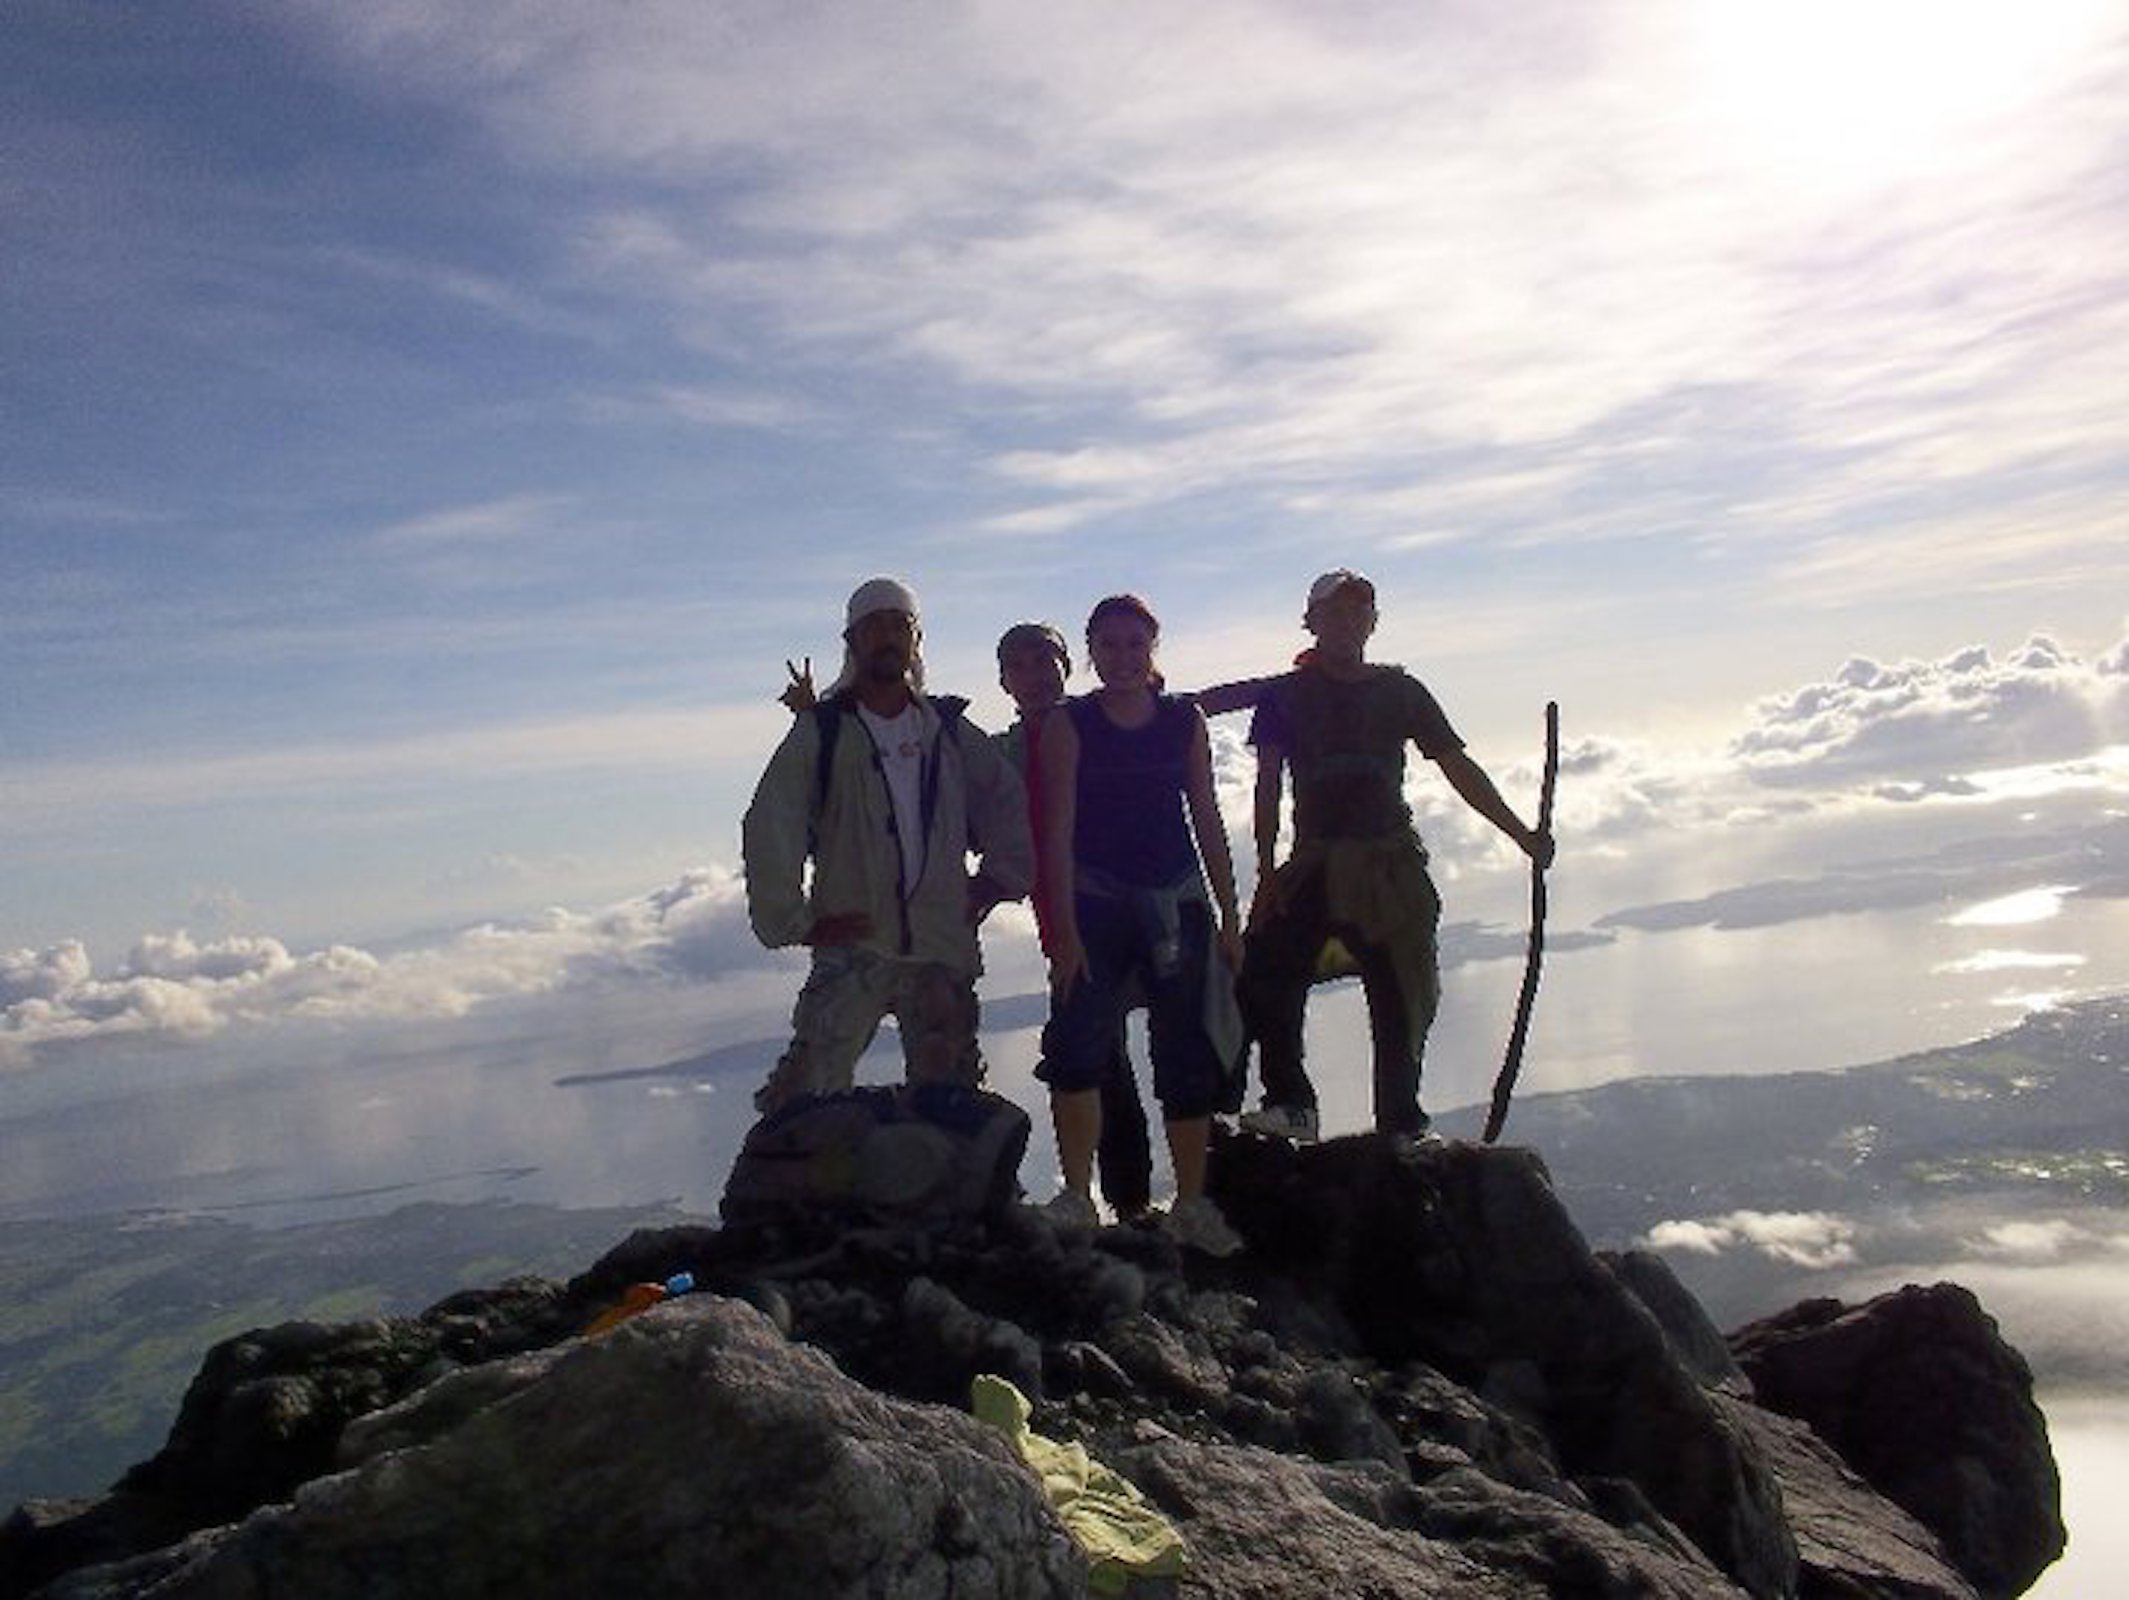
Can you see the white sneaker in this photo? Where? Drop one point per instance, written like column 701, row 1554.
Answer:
column 1297, row 1123
column 1196, row 1224
column 1068, row 1208
column 1407, row 1146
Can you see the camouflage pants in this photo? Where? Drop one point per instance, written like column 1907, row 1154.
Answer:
column 847, row 994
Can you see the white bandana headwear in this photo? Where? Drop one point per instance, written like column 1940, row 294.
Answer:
column 880, row 594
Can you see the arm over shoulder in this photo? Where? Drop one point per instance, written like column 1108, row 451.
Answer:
column 1243, row 694
column 997, row 815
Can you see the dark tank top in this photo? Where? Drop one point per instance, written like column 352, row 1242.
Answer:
column 1130, row 823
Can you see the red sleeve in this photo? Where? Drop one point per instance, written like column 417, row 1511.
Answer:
column 1039, row 896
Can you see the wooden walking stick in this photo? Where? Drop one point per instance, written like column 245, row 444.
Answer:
column 1512, row 1063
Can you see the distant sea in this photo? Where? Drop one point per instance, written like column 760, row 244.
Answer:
column 643, row 1096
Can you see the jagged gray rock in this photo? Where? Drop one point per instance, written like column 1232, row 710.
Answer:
column 1417, row 1379
column 1920, row 1394
column 1263, row 1526
column 694, row 1451
column 1849, row 1541
column 1469, row 1263
column 1694, row 1338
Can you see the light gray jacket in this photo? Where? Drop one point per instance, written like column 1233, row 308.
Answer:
column 974, row 802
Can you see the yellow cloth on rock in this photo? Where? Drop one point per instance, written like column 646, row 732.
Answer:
column 1123, row 1536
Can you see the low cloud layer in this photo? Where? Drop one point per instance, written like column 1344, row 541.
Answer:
column 1861, row 753
column 2053, row 1281
column 1911, row 728
column 1916, row 784
column 1811, row 1239
column 1871, row 747
column 180, row 987
column 2045, row 1241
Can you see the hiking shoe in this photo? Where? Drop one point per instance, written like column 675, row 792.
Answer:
column 1297, row 1123
column 1196, row 1224
column 1406, row 1147
column 1068, row 1208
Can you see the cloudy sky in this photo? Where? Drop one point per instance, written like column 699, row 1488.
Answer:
column 428, row 429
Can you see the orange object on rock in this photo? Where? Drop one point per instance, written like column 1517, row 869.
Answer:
column 635, row 1299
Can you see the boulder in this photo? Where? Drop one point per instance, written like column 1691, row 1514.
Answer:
column 695, row 1451
column 265, row 1412
column 1918, row 1391
column 1850, row 1540
column 1463, row 1258
column 1263, row 1526
column 1694, row 1339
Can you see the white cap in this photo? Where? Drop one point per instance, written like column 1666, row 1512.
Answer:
column 880, row 594
column 1334, row 580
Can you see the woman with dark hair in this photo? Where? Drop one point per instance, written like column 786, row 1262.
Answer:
column 1128, row 812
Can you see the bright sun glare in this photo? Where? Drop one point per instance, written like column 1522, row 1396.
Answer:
column 1852, row 93
column 2014, row 910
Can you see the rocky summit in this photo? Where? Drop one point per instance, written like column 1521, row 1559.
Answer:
column 1416, row 1379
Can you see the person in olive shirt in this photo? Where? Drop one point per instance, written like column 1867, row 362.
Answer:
column 1357, row 873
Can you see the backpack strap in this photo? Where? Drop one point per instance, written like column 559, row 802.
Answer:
column 828, row 718
column 951, row 710
column 948, row 708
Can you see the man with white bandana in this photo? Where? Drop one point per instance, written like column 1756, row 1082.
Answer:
column 885, row 791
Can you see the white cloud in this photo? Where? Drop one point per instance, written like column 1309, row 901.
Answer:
column 1845, row 807
column 42, row 974
column 508, row 519
column 1993, row 961
column 1511, row 279
column 731, row 407
column 1926, row 721
column 2035, row 1242
column 40, row 794
column 1811, row 1239
column 2014, row 759
column 181, row 987
column 1306, row 248
column 1694, row 1238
